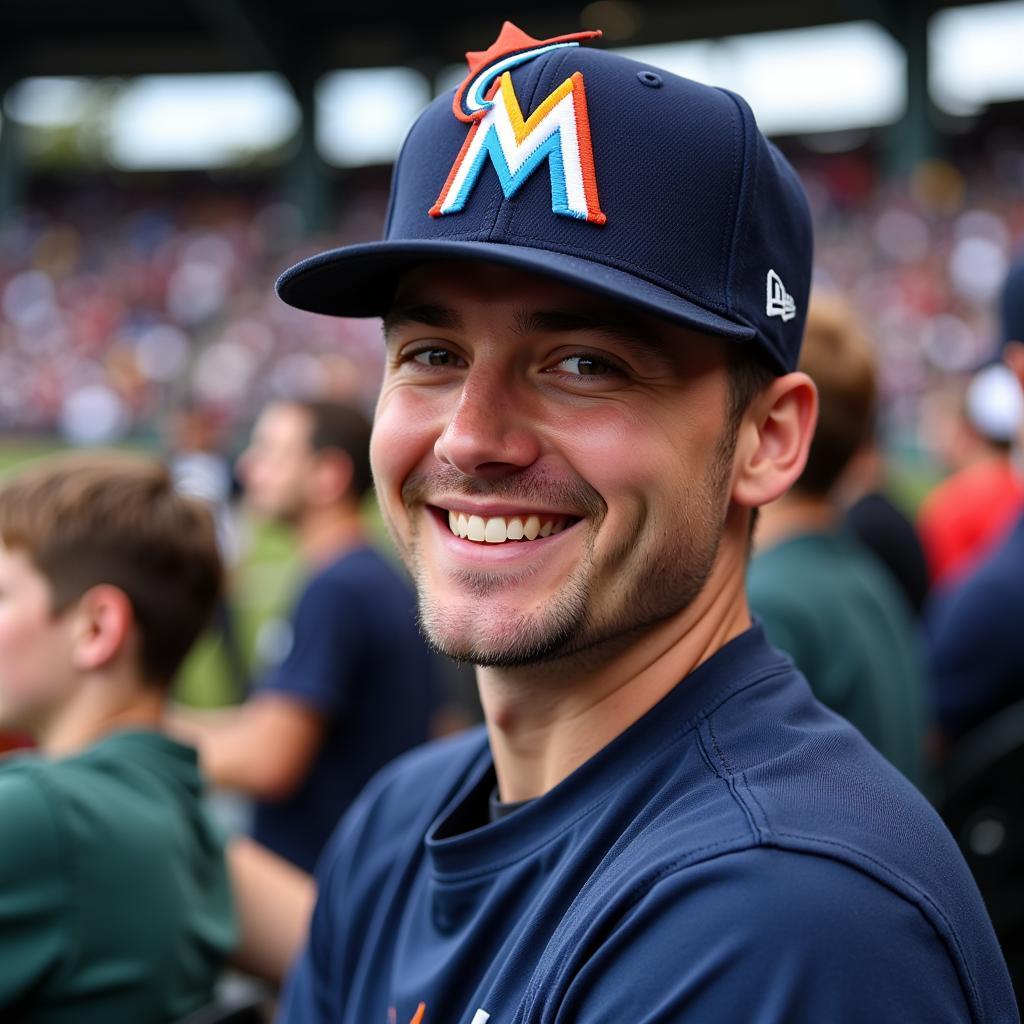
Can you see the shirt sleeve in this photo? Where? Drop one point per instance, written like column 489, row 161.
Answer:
column 306, row 998
column 321, row 665
column 34, row 903
column 768, row 937
column 312, row 993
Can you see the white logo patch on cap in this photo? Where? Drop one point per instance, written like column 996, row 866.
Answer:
column 779, row 301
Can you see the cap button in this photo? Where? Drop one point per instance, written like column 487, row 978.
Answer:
column 650, row 79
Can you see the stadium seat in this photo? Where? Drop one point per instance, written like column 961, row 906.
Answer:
column 982, row 802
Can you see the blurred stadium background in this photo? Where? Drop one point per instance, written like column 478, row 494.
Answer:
column 161, row 163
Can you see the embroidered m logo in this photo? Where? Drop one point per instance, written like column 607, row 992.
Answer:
column 556, row 133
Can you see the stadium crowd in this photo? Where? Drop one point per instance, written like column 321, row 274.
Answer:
column 115, row 311
column 118, row 312
column 117, row 306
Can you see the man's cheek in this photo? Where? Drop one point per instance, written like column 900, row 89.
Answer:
column 396, row 448
column 404, row 432
column 387, row 450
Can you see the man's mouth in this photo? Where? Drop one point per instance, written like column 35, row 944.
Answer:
column 502, row 529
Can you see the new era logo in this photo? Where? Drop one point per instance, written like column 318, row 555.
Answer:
column 780, row 302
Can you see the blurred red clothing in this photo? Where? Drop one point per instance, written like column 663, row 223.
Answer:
column 967, row 514
column 13, row 741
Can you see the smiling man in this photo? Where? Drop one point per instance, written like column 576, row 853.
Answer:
column 593, row 286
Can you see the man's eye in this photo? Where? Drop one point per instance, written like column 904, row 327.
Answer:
column 586, row 366
column 435, row 357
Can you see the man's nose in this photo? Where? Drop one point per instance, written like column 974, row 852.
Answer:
column 489, row 433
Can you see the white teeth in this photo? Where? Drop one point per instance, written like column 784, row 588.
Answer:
column 498, row 529
column 494, row 531
column 477, row 529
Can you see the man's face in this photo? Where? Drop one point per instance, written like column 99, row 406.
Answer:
column 278, row 464
column 554, row 468
column 36, row 656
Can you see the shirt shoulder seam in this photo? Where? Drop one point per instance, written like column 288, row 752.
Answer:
column 717, row 851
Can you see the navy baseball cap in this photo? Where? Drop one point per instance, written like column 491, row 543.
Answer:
column 600, row 172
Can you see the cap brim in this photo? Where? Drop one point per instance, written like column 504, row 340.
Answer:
column 360, row 280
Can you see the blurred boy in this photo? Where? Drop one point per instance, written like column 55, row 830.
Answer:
column 114, row 899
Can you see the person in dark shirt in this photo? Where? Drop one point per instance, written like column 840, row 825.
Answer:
column 881, row 526
column 354, row 685
column 975, row 641
column 594, row 282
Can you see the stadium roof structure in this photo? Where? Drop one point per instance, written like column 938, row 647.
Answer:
column 302, row 37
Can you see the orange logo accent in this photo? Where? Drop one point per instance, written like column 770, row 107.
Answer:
column 417, row 1016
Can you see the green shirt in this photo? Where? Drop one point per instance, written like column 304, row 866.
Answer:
column 827, row 602
column 115, row 906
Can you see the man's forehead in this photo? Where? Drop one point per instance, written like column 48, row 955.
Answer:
column 440, row 295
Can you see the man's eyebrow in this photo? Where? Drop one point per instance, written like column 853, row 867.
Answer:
column 424, row 313
column 630, row 331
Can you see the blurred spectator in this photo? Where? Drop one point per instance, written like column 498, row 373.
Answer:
column 874, row 519
column 822, row 597
column 974, row 627
column 966, row 515
column 200, row 469
column 354, row 685
column 114, row 898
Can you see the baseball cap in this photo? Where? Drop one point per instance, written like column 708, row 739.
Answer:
column 598, row 171
column 994, row 404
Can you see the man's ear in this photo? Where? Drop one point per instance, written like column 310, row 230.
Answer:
column 332, row 477
column 773, row 440
column 103, row 619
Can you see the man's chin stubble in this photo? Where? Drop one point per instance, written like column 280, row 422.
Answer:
column 568, row 631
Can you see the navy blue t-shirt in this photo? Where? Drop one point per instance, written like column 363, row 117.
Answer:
column 357, row 657
column 976, row 639
column 740, row 855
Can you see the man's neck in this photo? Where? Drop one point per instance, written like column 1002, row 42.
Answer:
column 545, row 721
column 325, row 534
column 99, row 708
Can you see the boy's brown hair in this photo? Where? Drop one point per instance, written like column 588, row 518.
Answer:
column 98, row 518
column 838, row 357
